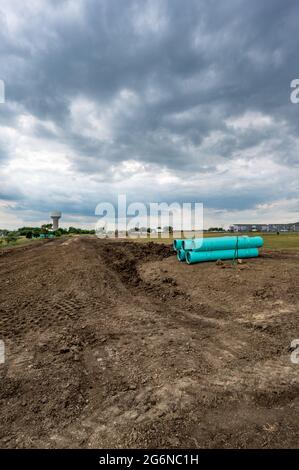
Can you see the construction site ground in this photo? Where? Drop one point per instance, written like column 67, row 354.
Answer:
column 113, row 343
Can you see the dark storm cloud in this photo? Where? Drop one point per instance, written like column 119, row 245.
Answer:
column 163, row 78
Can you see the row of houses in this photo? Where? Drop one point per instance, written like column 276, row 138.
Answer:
column 293, row 227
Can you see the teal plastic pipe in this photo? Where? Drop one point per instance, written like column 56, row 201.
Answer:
column 181, row 255
column 188, row 244
column 191, row 243
column 201, row 256
column 226, row 243
column 177, row 244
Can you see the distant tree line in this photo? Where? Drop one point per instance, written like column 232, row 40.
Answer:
column 11, row 236
column 216, row 229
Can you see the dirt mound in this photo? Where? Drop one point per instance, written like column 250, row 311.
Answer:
column 124, row 257
column 117, row 344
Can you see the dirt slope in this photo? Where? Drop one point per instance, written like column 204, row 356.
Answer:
column 116, row 344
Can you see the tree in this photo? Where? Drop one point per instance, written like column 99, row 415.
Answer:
column 215, row 229
column 24, row 230
column 60, row 231
column 44, row 229
column 36, row 232
column 12, row 237
column 4, row 232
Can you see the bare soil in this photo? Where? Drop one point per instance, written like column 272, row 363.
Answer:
column 117, row 344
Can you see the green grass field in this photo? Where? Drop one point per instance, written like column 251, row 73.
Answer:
column 19, row 242
column 272, row 241
column 283, row 241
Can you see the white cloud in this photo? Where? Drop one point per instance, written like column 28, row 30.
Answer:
column 250, row 120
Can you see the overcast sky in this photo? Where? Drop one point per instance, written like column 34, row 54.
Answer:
column 162, row 100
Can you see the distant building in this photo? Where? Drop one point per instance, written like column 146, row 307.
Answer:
column 293, row 227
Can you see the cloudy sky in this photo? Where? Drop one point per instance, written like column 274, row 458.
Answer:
column 161, row 100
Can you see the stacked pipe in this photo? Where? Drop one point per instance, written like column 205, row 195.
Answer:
column 198, row 250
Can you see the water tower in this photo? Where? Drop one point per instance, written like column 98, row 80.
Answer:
column 55, row 216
